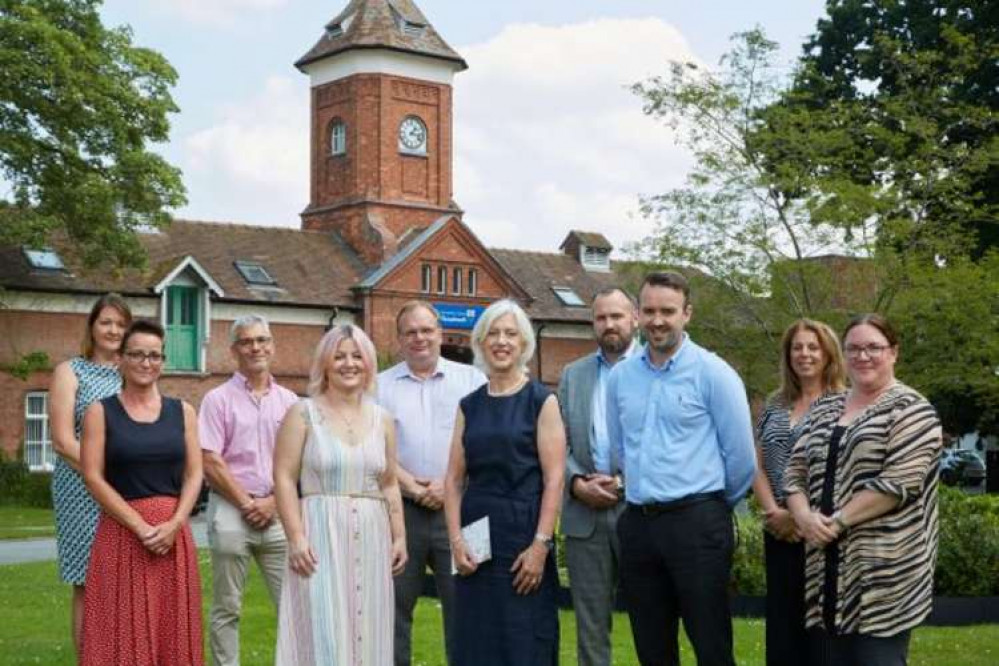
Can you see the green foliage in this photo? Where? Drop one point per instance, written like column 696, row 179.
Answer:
column 20, row 487
column 748, row 572
column 26, row 364
column 78, row 105
column 968, row 559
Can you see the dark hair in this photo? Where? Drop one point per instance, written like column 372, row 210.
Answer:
column 607, row 291
column 415, row 304
column 146, row 326
column 833, row 374
column 667, row 279
column 111, row 300
column 877, row 321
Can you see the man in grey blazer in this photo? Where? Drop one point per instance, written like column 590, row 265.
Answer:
column 593, row 483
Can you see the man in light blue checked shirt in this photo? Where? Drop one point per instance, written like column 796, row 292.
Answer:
column 679, row 419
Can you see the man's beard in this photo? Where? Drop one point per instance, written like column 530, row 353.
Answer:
column 614, row 344
column 668, row 344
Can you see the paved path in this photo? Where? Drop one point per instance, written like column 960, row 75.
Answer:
column 18, row 551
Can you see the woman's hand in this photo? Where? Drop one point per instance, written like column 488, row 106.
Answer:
column 780, row 524
column 529, row 567
column 462, row 558
column 162, row 538
column 816, row 528
column 301, row 558
column 399, row 556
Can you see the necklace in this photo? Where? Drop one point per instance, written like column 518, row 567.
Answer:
column 509, row 391
column 341, row 413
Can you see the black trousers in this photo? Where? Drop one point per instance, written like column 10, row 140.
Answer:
column 858, row 649
column 676, row 564
column 787, row 640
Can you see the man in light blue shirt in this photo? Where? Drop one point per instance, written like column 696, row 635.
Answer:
column 679, row 419
column 422, row 394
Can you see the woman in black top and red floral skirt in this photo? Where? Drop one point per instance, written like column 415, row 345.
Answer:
column 142, row 464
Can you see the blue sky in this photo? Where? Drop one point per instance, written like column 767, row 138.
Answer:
column 546, row 137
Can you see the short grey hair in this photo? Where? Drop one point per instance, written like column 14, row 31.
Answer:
column 489, row 317
column 247, row 321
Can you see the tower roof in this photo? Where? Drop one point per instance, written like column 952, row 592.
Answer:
column 397, row 25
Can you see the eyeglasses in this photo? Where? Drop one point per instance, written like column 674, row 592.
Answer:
column 873, row 352
column 137, row 357
column 260, row 340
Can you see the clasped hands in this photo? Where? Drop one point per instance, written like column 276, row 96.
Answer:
column 259, row 512
column 597, row 491
column 428, row 493
column 816, row 528
column 158, row 539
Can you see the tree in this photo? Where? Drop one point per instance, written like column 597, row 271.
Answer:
column 800, row 209
column 79, row 104
column 741, row 224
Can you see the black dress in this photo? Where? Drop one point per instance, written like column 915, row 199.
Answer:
column 495, row 625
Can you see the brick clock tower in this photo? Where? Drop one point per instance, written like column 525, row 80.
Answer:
column 381, row 155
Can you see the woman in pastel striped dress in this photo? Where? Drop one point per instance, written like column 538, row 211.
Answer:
column 346, row 537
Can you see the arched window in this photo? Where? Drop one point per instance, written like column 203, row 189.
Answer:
column 473, row 281
column 442, row 279
column 456, row 282
column 426, row 275
column 338, row 137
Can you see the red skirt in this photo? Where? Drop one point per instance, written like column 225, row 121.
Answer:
column 142, row 609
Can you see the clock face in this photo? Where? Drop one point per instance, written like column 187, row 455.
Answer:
column 413, row 134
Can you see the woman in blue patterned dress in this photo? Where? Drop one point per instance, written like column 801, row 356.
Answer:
column 76, row 383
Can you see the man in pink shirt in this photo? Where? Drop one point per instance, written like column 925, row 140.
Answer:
column 238, row 422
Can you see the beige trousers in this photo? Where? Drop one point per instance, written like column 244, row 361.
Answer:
column 232, row 543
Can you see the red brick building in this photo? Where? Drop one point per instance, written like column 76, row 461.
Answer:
column 381, row 227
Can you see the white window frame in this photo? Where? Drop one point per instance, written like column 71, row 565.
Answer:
column 44, row 460
column 338, row 137
column 426, row 278
column 473, row 281
column 442, row 280
column 456, row 280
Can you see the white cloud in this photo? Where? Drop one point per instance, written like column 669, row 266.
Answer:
column 254, row 161
column 548, row 137
column 215, row 12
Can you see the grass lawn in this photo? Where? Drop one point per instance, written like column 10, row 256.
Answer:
column 18, row 522
column 35, row 629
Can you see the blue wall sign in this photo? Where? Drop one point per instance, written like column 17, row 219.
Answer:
column 454, row 315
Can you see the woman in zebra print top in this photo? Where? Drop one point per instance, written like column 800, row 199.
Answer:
column 811, row 367
column 861, row 485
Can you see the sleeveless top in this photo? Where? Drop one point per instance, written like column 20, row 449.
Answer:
column 333, row 467
column 144, row 459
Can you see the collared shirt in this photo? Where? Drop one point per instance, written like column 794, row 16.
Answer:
column 600, row 447
column 241, row 428
column 424, row 411
column 680, row 429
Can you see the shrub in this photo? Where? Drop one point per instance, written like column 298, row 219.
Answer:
column 20, row 487
column 968, row 556
column 748, row 574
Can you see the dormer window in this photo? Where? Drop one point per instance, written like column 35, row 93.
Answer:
column 45, row 259
column 568, row 297
column 254, row 273
column 334, row 30
column 596, row 258
column 411, row 29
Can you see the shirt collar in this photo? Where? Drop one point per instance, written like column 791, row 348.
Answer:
column 439, row 371
column 685, row 342
column 240, row 380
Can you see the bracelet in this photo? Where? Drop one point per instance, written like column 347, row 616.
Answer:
column 545, row 540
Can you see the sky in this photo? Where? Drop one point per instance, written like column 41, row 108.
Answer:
column 547, row 137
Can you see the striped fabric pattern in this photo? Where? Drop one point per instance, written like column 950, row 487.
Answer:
column 343, row 614
column 885, row 574
column 776, row 438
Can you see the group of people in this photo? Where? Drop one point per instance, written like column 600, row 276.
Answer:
column 347, row 497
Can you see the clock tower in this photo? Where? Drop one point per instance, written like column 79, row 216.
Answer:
column 381, row 155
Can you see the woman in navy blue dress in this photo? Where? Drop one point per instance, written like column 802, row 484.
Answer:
column 507, row 463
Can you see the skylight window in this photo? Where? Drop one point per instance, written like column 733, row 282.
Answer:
column 254, row 273
column 44, row 259
column 568, row 297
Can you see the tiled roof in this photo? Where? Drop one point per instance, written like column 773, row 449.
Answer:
column 393, row 24
column 538, row 272
column 310, row 268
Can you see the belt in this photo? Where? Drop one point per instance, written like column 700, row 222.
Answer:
column 656, row 508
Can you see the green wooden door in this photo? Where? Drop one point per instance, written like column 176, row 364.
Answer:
column 182, row 328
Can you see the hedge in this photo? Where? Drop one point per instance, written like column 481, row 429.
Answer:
column 20, row 487
column 967, row 558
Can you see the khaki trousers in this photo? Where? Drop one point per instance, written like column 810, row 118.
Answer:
column 233, row 542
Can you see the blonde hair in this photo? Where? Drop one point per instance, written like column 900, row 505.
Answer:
column 493, row 312
column 328, row 346
column 834, row 372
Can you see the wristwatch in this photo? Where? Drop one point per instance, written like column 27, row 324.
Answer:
column 619, row 485
column 548, row 542
column 837, row 518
